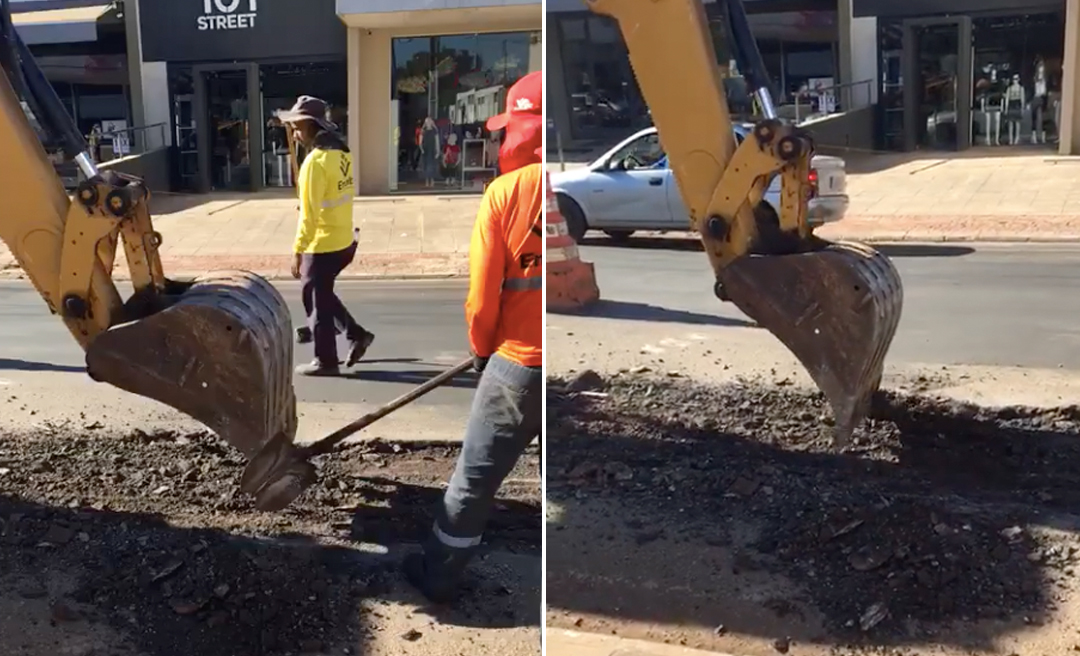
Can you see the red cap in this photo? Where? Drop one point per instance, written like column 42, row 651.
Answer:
column 526, row 96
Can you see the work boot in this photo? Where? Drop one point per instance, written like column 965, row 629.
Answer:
column 358, row 347
column 437, row 571
column 316, row 368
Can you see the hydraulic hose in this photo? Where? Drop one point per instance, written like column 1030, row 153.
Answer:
column 748, row 57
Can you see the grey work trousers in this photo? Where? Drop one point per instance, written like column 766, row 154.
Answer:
column 507, row 414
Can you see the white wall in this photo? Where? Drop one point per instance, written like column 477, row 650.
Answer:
column 155, row 94
column 864, row 60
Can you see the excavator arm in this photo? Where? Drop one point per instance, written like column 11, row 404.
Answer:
column 836, row 306
column 217, row 348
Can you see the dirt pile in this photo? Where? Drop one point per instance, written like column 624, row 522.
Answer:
column 147, row 535
column 937, row 514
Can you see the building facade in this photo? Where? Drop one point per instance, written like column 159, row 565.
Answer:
column 943, row 74
column 223, row 67
column 991, row 73
column 81, row 48
column 423, row 77
column 591, row 89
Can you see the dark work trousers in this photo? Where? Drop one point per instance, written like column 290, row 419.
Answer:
column 325, row 311
column 507, row 414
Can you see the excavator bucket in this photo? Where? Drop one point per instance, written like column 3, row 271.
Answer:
column 222, row 354
column 836, row 308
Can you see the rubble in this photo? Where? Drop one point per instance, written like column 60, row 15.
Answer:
column 931, row 508
column 195, row 569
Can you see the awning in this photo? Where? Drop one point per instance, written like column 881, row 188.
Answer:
column 75, row 25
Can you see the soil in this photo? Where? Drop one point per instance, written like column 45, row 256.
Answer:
column 941, row 517
column 147, row 537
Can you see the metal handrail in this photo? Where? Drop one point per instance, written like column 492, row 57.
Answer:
column 845, row 86
column 162, row 128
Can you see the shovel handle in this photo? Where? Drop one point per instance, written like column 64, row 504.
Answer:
column 333, row 439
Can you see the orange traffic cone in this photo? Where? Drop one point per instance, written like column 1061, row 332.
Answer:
column 570, row 283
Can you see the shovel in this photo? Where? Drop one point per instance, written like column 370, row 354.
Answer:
column 281, row 470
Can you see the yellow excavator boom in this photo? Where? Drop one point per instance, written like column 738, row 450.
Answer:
column 836, row 306
column 218, row 348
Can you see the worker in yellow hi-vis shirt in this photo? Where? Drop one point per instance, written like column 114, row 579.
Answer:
column 325, row 238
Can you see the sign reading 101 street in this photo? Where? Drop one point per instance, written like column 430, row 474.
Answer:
column 227, row 15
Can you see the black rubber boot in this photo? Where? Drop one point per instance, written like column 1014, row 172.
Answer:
column 437, row 571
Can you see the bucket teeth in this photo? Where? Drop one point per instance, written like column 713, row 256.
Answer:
column 221, row 354
column 837, row 309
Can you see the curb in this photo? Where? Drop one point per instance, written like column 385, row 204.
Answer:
column 17, row 274
column 964, row 239
column 560, row 642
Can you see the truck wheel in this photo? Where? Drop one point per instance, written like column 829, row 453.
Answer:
column 619, row 235
column 575, row 218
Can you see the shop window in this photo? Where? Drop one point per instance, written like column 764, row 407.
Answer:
column 282, row 84
column 602, row 94
column 1017, row 73
column 444, row 88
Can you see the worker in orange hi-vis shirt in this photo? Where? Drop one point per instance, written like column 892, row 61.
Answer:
column 505, row 313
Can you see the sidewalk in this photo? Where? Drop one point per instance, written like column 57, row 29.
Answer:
column 980, row 195
column 572, row 643
column 400, row 237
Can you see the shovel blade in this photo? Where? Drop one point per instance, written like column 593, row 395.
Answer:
column 222, row 353
column 836, row 308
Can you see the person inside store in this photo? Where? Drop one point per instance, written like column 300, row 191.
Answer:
column 505, row 316
column 325, row 238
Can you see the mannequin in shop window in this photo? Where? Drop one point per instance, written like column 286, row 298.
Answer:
column 451, row 158
column 1013, row 107
column 1039, row 104
column 429, row 150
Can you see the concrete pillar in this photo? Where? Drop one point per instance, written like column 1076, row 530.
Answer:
column 369, row 109
column 354, row 96
column 1070, row 84
column 148, row 88
column 858, row 49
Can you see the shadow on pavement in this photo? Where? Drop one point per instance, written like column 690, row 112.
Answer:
column 645, row 312
column 103, row 582
column 513, row 535
column 410, row 377
column 27, row 365
column 924, row 250
column 674, row 505
column 141, row 544
column 681, row 242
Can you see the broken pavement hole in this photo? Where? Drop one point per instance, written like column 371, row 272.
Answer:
column 158, row 549
column 948, row 514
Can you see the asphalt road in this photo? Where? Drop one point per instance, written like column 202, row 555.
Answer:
column 419, row 331
column 994, row 305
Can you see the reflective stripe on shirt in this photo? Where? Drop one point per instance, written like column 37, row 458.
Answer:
column 523, row 284
column 337, row 202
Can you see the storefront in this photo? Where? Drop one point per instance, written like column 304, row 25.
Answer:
column 82, row 52
column 422, row 81
column 231, row 64
column 961, row 73
column 592, row 89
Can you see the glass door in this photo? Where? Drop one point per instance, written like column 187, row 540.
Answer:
column 937, row 84
column 228, row 111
